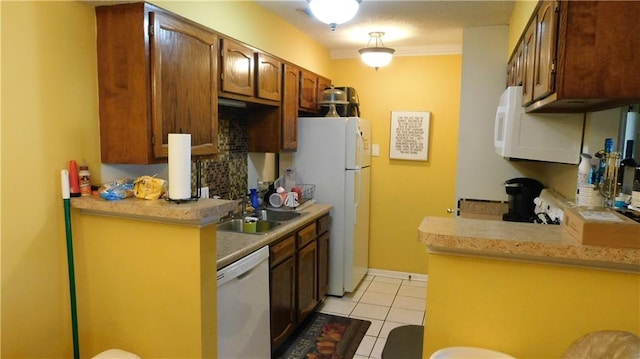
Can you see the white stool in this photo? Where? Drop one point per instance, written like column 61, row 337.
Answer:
column 115, row 354
column 468, row 353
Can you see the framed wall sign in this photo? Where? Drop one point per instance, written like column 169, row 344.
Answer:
column 409, row 135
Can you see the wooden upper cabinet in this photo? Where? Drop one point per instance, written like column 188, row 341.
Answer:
column 308, row 91
column 515, row 67
column 545, row 62
column 156, row 75
column 269, row 82
column 528, row 64
column 291, row 85
column 581, row 59
column 237, row 68
column 184, row 65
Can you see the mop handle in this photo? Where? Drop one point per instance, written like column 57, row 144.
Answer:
column 64, row 178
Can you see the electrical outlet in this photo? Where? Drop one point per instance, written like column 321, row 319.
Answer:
column 204, row 192
column 375, row 150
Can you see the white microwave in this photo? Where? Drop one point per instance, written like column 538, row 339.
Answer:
column 539, row 137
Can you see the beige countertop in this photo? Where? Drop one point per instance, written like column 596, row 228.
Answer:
column 232, row 246
column 202, row 212
column 521, row 241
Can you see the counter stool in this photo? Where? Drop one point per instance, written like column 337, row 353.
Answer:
column 115, row 354
column 404, row 342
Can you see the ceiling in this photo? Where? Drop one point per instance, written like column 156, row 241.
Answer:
column 410, row 27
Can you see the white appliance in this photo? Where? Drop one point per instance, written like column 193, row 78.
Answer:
column 244, row 330
column 540, row 137
column 550, row 207
column 334, row 153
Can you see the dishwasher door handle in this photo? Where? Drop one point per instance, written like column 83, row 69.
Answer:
column 241, row 267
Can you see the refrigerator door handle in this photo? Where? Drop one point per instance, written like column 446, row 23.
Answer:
column 359, row 174
column 359, row 149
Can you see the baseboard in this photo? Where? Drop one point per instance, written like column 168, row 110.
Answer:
column 399, row 275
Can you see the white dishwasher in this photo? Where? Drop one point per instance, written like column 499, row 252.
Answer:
column 243, row 308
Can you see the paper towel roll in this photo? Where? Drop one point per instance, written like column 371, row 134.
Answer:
column 179, row 166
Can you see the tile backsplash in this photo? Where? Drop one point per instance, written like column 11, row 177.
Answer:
column 224, row 173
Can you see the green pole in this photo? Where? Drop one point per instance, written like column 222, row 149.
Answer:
column 72, row 280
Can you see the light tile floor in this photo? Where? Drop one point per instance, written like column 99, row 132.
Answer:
column 387, row 303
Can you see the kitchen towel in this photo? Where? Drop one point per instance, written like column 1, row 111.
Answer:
column 179, row 166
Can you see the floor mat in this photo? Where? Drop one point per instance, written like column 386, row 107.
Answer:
column 325, row 336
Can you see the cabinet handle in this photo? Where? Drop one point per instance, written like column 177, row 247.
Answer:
column 449, row 210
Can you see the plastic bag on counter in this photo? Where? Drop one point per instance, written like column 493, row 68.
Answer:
column 119, row 189
column 148, row 187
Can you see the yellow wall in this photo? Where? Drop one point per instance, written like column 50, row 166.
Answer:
column 252, row 24
column 530, row 311
column 145, row 287
column 522, row 11
column 49, row 114
column 403, row 192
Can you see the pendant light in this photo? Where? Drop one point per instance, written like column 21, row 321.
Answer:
column 378, row 55
column 334, row 12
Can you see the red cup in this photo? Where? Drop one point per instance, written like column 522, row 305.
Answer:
column 297, row 190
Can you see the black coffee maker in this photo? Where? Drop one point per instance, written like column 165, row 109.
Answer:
column 521, row 193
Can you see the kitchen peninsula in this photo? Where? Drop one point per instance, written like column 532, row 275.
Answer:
column 145, row 275
column 146, row 272
column 523, row 289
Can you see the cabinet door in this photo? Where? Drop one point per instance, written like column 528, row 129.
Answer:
column 124, row 85
column 546, row 40
column 236, row 68
column 323, row 265
column 184, row 95
column 269, row 84
column 308, row 91
column 514, row 71
column 290, row 107
column 307, row 280
column 283, row 314
column 529, row 55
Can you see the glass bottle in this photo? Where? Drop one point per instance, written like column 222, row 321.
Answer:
column 627, row 170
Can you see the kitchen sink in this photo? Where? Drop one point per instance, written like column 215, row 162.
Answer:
column 265, row 221
column 277, row 216
column 237, row 225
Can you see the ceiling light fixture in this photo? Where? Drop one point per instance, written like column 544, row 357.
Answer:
column 378, row 55
column 334, row 12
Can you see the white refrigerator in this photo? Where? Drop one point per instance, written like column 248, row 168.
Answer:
column 334, row 153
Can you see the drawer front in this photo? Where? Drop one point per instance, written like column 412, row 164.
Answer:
column 282, row 250
column 324, row 223
column 306, row 235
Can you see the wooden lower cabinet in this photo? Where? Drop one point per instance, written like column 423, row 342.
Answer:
column 298, row 278
column 283, row 290
column 323, row 265
column 282, row 301
column 307, row 279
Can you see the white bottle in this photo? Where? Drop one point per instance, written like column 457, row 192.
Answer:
column 584, row 169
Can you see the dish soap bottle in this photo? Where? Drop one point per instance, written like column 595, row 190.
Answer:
column 255, row 203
